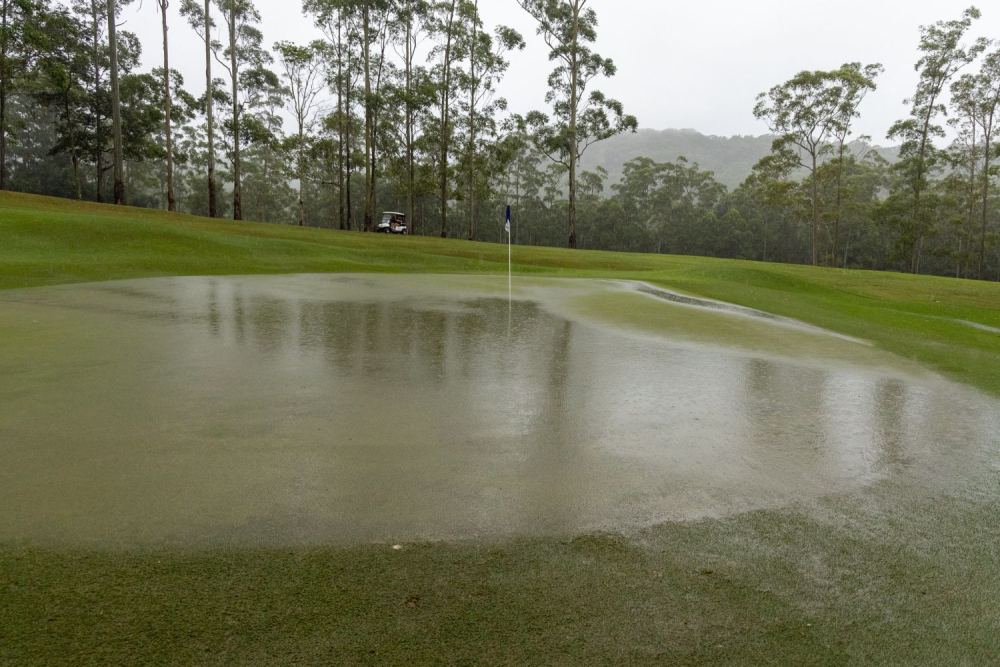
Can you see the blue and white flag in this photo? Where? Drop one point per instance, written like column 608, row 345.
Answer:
column 506, row 227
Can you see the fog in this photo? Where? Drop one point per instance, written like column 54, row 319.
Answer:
column 692, row 65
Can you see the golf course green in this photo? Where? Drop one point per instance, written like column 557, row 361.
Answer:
column 887, row 559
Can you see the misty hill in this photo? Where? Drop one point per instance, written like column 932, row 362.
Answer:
column 731, row 158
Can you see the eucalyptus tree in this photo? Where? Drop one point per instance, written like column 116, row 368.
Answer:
column 168, row 142
column 446, row 29
column 200, row 19
column 487, row 65
column 339, row 22
column 116, row 105
column 92, row 15
column 855, row 82
column 268, row 167
column 987, row 92
column 243, row 48
column 62, row 72
column 568, row 28
column 412, row 27
column 20, row 44
column 372, row 20
column 965, row 155
column 303, row 71
column 804, row 113
column 183, row 110
column 377, row 18
column 943, row 56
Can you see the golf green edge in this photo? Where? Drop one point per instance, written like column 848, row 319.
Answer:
column 48, row 241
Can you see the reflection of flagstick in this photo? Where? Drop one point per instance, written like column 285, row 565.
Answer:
column 510, row 295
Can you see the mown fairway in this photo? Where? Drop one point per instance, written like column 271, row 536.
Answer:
column 902, row 572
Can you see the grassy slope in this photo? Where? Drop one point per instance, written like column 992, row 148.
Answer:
column 889, row 578
column 46, row 241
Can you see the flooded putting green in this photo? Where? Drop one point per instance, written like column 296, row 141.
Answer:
column 333, row 409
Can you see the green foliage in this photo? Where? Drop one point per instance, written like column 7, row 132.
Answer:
column 942, row 56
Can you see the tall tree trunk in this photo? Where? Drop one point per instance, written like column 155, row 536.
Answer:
column 116, row 107
column 815, row 207
column 349, row 137
column 972, row 192
column 98, row 118
column 369, row 167
column 410, row 169
column 3, row 96
column 340, row 123
column 840, row 203
column 213, row 206
column 445, row 121
column 574, row 145
column 71, row 127
column 918, row 186
column 472, row 125
column 301, row 168
column 237, row 190
column 171, row 204
column 981, row 274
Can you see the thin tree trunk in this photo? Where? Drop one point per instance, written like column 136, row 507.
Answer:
column 815, row 207
column 213, row 207
column 574, row 146
column 972, row 191
column 349, row 137
column 171, row 204
column 99, row 120
column 302, row 174
column 917, row 184
column 340, row 123
column 116, row 110
column 3, row 98
column 445, row 120
column 410, row 169
column 472, row 126
column 986, row 197
column 840, row 202
column 237, row 190
column 3, row 129
column 71, row 126
column 369, row 167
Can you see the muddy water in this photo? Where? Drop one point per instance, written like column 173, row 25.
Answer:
column 328, row 409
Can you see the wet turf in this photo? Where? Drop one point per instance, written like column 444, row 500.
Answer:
column 902, row 572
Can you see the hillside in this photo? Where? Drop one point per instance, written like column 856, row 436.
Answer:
column 731, row 158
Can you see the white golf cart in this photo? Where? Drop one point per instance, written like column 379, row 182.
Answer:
column 393, row 223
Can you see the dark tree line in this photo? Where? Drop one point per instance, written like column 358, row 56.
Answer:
column 395, row 108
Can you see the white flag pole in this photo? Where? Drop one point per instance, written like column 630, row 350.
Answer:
column 510, row 293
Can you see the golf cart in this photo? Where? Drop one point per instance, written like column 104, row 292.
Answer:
column 393, row 223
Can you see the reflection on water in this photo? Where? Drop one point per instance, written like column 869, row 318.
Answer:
column 314, row 409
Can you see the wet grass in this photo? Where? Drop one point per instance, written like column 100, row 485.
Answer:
column 859, row 585
column 894, row 576
column 45, row 241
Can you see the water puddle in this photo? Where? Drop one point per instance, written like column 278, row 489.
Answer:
column 335, row 409
column 730, row 308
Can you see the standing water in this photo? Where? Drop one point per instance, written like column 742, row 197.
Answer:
column 334, row 409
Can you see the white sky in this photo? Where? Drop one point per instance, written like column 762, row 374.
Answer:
column 681, row 64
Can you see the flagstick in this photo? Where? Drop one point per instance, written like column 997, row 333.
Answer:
column 510, row 271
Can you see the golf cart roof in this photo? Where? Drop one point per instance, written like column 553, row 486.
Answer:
column 393, row 213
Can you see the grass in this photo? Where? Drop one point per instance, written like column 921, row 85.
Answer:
column 46, row 241
column 894, row 576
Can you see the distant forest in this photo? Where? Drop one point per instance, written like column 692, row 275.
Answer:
column 395, row 108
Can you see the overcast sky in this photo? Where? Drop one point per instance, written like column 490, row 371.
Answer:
column 681, row 63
